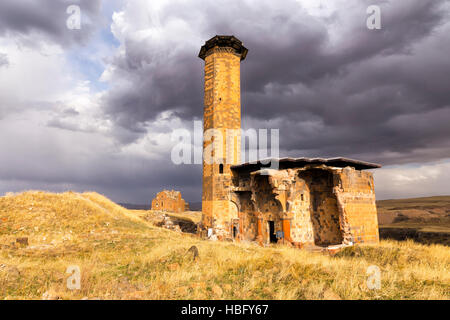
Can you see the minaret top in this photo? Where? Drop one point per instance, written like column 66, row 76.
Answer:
column 224, row 41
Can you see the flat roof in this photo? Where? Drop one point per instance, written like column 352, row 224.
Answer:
column 286, row 163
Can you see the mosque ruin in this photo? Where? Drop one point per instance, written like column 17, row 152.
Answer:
column 305, row 202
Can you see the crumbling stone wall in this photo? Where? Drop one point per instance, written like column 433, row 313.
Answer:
column 170, row 201
column 247, row 217
column 301, row 225
column 356, row 201
column 311, row 205
column 268, row 207
column 324, row 214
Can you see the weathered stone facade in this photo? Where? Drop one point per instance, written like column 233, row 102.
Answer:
column 317, row 202
column 308, row 202
column 169, row 200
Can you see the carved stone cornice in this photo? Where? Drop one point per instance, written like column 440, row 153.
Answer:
column 224, row 42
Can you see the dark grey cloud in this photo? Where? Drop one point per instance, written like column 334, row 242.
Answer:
column 123, row 179
column 154, row 87
column 59, row 158
column 358, row 86
column 30, row 21
column 3, row 60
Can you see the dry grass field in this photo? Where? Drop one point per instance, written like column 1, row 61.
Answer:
column 123, row 256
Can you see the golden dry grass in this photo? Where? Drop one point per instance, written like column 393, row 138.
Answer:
column 121, row 256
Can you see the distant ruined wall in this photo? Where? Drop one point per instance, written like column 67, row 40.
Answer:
column 170, row 201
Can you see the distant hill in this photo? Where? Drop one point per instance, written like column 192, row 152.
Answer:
column 195, row 206
column 131, row 206
column 422, row 219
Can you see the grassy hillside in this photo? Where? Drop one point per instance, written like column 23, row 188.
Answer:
column 427, row 210
column 424, row 219
column 122, row 256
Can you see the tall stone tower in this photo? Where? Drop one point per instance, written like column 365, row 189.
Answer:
column 221, row 131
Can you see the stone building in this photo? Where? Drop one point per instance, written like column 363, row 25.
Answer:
column 305, row 202
column 169, row 200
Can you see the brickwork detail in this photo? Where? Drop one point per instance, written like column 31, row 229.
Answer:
column 221, row 139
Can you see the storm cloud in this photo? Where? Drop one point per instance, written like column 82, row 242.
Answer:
column 31, row 21
column 359, row 87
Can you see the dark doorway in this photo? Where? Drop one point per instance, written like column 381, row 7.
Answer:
column 272, row 235
column 234, row 232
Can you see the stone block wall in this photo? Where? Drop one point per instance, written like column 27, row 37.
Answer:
column 356, row 200
column 321, row 206
column 170, row 201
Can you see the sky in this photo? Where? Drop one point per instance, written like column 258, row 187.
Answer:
column 94, row 108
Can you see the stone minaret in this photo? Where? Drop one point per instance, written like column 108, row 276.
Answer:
column 221, row 131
